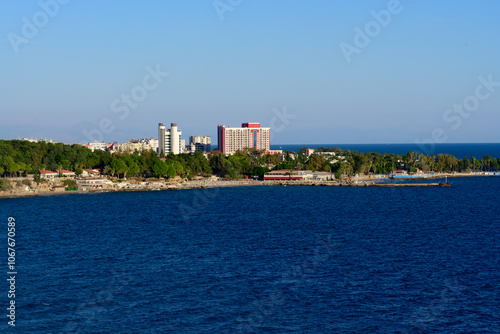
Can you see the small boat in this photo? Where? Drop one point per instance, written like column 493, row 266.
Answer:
column 446, row 183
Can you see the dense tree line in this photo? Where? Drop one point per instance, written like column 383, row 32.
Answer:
column 248, row 162
column 346, row 162
column 19, row 157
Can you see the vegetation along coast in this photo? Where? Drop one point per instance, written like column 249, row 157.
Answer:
column 41, row 168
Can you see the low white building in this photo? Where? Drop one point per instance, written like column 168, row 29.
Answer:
column 320, row 176
column 90, row 172
column 149, row 144
column 95, row 145
column 48, row 174
column 323, row 176
column 144, row 144
column 327, row 154
column 306, row 174
column 93, row 183
column 67, row 173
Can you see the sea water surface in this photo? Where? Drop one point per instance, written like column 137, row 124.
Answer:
column 259, row 260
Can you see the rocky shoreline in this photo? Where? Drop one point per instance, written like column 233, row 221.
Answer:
column 364, row 181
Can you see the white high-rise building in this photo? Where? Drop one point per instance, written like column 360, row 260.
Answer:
column 169, row 140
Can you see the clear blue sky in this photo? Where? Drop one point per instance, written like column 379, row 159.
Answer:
column 264, row 56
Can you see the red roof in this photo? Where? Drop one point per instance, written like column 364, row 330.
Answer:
column 91, row 171
column 63, row 171
column 43, row 171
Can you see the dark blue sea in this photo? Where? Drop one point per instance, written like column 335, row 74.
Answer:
column 457, row 150
column 258, row 260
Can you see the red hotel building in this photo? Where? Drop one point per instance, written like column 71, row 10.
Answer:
column 229, row 140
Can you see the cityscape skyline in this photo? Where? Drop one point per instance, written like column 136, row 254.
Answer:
column 370, row 72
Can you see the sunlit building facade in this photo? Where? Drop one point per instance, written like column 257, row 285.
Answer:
column 250, row 135
column 169, row 140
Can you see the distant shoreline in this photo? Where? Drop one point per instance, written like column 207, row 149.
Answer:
column 364, row 181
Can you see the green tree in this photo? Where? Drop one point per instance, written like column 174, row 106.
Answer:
column 218, row 163
column 160, row 168
column 108, row 170
column 341, row 168
column 486, row 162
column 120, row 167
column 133, row 168
column 465, row 164
column 10, row 166
column 179, row 169
column 361, row 163
column 65, row 164
column 316, row 162
column 22, row 167
column 171, row 172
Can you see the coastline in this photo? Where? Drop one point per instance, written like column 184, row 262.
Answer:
column 362, row 181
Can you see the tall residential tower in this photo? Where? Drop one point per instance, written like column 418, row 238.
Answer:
column 169, row 140
column 250, row 135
